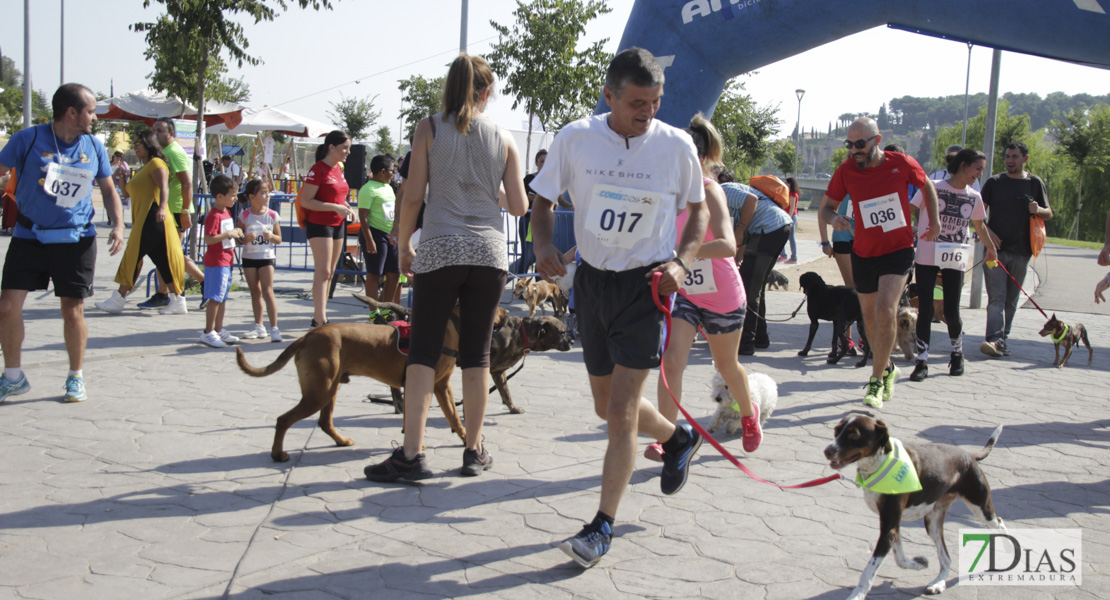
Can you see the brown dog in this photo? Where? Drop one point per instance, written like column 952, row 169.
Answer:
column 330, row 354
column 537, row 293
column 513, row 338
column 1068, row 337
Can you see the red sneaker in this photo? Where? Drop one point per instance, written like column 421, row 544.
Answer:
column 753, row 433
column 654, row 452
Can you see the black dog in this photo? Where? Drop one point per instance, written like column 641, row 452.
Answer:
column 777, row 281
column 836, row 303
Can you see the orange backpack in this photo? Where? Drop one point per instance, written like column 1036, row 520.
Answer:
column 774, row 188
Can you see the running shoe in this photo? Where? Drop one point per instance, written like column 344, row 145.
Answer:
column 991, row 349
column 889, row 376
column 75, row 390
column 203, row 304
column 212, row 338
column 920, row 371
column 398, row 467
column 227, row 338
column 114, row 304
column 158, row 300
column 874, row 395
column 791, row 261
column 13, row 387
column 275, row 334
column 590, row 544
column 175, row 306
column 654, row 452
column 256, row 332
column 753, row 433
column 676, row 465
column 474, row 463
column 956, row 364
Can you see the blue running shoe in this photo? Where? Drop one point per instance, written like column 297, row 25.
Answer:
column 156, row 301
column 203, row 304
column 590, row 544
column 676, row 465
column 75, row 390
column 9, row 387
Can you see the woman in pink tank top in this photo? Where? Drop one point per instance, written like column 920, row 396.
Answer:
column 712, row 298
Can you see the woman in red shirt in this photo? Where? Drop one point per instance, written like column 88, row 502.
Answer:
column 793, row 212
column 324, row 197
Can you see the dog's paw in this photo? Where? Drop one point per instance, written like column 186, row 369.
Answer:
column 282, row 457
column 916, row 563
column 832, row 359
column 857, row 594
column 516, row 410
column 803, row 353
column 937, row 588
column 345, row 442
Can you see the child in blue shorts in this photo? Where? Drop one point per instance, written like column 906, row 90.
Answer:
column 220, row 234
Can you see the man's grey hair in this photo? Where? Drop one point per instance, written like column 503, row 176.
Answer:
column 636, row 66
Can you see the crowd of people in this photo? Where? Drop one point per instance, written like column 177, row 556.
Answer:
column 655, row 213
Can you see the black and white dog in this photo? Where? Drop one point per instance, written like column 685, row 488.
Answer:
column 886, row 467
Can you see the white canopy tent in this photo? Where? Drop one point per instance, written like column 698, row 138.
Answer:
column 257, row 120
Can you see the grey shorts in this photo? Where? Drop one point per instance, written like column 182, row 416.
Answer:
column 618, row 321
column 713, row 323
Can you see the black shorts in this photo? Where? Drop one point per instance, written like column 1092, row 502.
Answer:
column 31, row 265
column 842, row 247
column 867, row 271
column 385, row 259
column 258, row 263
column 177, row 220
column 315, row 230
column 617, row 319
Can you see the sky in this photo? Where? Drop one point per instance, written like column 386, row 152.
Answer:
column 363, row 47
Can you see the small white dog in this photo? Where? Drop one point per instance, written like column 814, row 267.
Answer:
column 765, row 394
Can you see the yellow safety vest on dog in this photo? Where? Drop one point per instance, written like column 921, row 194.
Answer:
column 896, row 476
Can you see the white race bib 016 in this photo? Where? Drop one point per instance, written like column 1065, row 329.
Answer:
column 389, row 209
column 700, row 278
column 884, row 211
column 950, row 255
column 622, row 217
column 69, row 185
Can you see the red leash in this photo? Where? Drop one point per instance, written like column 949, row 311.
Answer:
column 999, row 263
column 705, row 434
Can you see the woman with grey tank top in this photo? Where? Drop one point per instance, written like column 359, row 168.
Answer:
column 461, row 159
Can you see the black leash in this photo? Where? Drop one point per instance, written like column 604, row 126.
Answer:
column 792, row 315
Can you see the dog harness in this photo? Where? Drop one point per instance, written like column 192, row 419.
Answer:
column 1057, row 339
column 896, row 476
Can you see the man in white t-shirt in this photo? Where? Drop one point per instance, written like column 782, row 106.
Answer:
column 268, row 151
column 630, row 176
column 232, row 170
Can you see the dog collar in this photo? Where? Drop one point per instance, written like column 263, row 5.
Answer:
column 524, row 334
column 896, row 476
column 1056, row 339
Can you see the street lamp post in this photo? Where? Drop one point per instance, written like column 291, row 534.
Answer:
column 798, row 130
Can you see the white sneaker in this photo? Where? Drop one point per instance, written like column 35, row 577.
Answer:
column 113, row 305
column 175, row 306
column 275, row 335
column 227, row 338
column 212, row 339
column 256, row 332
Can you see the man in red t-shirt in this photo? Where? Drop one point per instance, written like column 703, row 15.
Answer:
column 882, row 252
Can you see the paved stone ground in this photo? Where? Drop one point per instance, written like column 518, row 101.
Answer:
column 161, row 485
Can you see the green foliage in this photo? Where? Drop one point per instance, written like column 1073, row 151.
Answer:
column 11, row 100
column 1008, row 128
column 383, row 143
column 355, row 116
column 539, row 62
column 420, row 98
column 782, row 156
column 1083, row 138
column 745, row 128
column 838, row 156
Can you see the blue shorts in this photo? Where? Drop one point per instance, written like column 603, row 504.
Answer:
column 217, row 282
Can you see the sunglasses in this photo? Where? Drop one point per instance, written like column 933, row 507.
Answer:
column 858, row 144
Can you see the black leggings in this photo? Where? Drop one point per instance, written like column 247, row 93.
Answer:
column 760, row 256
column 477, row 290
column 152, row 243
column 952, row 282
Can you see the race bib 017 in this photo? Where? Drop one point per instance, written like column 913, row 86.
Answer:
column 884, row 211
column 699, row 280
column 69, row 185
column 622, row 217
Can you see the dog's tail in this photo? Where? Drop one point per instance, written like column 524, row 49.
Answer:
column 273, row 367
column 990, row 444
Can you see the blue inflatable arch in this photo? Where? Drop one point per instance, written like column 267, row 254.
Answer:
column 704, row 43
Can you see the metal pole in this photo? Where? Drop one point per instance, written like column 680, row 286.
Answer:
column 62, row 48
column 798, row 129
column 967, row 90
column 988, row 149
column 26, row 63
column 462, row 27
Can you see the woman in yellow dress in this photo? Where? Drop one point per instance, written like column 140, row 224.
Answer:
column 148, row 190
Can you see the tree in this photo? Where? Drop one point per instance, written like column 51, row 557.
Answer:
column 1082, row 138
column 884, row 118
column 838, row 157
column 355, row 116
column 11, row 100
column 420, row 98
column 782, row 156
column 745, row 128
column 1008, row 128
column 384, row 142
column 540, row 64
